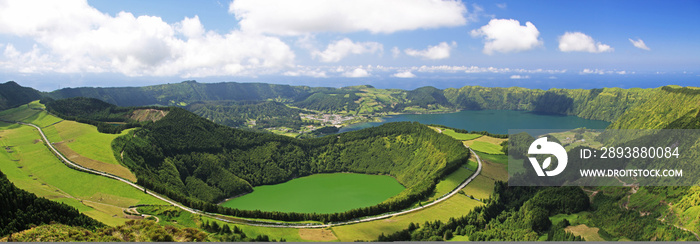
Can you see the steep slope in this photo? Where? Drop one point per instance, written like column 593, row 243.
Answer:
column 12, row 95
column 671, row 107
column 600, row 104
column 260, row 114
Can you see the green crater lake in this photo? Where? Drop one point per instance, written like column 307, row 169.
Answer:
column 494, row 121
column 320, row 193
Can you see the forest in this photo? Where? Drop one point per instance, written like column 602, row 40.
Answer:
column 13, row 95
column 265, row 114
column 95, row 112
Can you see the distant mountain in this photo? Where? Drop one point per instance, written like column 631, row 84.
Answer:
column 185, row 93
column 13, row 95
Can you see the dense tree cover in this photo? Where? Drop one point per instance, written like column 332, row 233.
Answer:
column 13, row 95
column 22, row 210
column 513, row 214
column 265, row 114
column 198, row 162
column 522, row 214
column 227, row 234
column 330, row 102
column 602, row 104
column 95, row 112
column 670, row 108
column 424, row 97
column 615, row 221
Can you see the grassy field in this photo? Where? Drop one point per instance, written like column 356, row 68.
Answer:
column 32, row 167
column 482, row 186
column 460, row 136
column 32, row 112
column 459, row 238
column 569, row 141
column 456, row 206
column 451, row 182
column 486, row 144
column 486, row 147
column 588, row 233
column 321, row 193
column 84, row 145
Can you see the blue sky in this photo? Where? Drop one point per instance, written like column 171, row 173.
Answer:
column 389, row 43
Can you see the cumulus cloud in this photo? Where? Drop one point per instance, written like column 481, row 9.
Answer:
column 507, row 35
column 639, row 43
column 295, row 17
column 342, row 48
column 579, row 42
column 72, row 36
column 404, row 74
column 356, row 73
column 519, row 77
column 440, row 51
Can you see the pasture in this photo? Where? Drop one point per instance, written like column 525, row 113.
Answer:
column 84, row 145
column 32, row 167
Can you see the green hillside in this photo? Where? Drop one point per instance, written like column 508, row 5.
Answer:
column 21, row 210
column 257, row 114
column 192, row 159
column 13, row 95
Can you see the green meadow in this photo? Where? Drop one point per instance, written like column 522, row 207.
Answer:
column 31, row 166
column 321, row 193
column 451, row 182
column 486, row 147
column 85, row 140
column 460, row 136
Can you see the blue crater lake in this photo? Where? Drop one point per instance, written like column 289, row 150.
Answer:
column 493, row 121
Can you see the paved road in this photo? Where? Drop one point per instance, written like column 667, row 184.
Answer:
column 253, row 223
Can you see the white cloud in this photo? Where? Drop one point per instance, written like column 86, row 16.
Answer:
column 295, row 17
column 507, row 35
column 395, row 52
column 440, row 51
column 356, row 73
column 404, row 74
column 72, row 36
column 603, row 72
column 639, row 43
column 311, row 73
column 342, row 48
column 477, row 69
column 579, row 42
column 502, row 5
column 519, row 77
